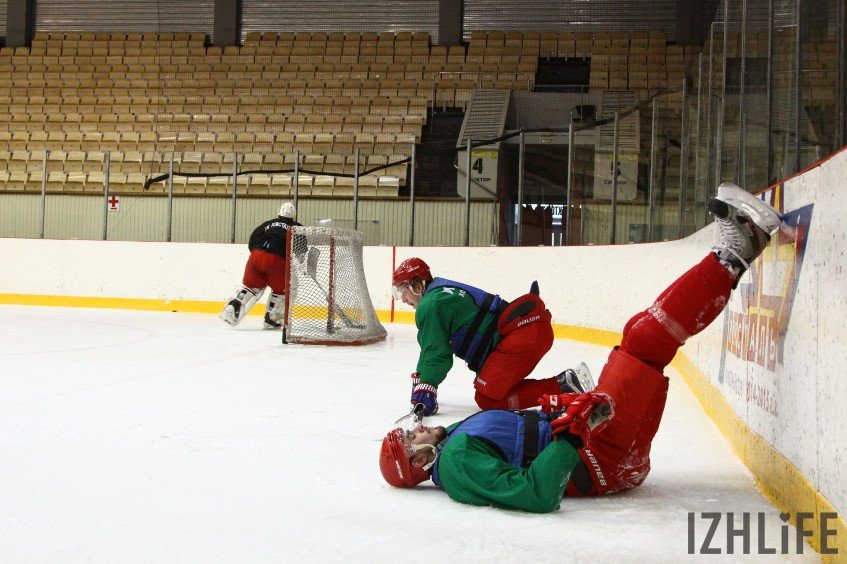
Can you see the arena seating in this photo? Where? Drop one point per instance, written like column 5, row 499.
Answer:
column 141, row 95
column 73, row 96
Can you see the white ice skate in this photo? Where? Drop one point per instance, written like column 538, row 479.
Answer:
column 576, row 380
column 763, row 215
column 746, row 224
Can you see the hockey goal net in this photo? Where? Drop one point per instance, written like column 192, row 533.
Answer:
column 327, row 300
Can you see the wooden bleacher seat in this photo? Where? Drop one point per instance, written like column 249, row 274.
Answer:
column 94, row 161
column 17, row 180
column 264, row 142
column 55, row 159
column 74, row 161
column 131, row 182
column 37, row 141
column 56, row 180
column 280, row 184
column 213, row 162
column 258, row 184
column 75, row 181
column 195, row 185
column 223, row 185
column 19, row 160
column 334, row 163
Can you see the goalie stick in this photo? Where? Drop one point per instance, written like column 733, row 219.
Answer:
column 310, row 267
column 340, row 312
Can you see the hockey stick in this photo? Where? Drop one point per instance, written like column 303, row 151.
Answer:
column 340, row 312
column 310, row 268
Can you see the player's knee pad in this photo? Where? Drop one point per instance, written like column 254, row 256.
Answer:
column 645, row 337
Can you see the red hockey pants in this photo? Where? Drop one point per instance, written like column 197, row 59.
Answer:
column 618, row 458
column 265, row 269
column 501, row 383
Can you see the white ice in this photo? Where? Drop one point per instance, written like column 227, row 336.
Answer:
column 130, row 436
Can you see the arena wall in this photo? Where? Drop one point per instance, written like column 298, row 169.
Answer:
column 770, row 370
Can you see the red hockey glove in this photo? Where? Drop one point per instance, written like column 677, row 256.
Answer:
column 585, row 415
column 555, row 402
column 426, row 395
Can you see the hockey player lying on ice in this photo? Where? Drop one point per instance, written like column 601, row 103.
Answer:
column 596, row 442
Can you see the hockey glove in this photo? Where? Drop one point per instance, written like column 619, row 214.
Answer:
column 426, row 395
column 584, row 415
column 555, row 402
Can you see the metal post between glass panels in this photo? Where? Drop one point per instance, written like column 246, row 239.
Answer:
column 107, row 166
column 769, row 173
column 296, row 182
column 798, row 85
column 683, row 160
column 842, row 73
column 722, row 111
column 468, row 196
column 356, row 193
column 841, row 77
column 741, row 173
column 614, row 207
column 234, row 194
column 434, row 94
column 170, row 195
column 43, row 191
column 521, row 162
column 709, row 168
column 651, row 182
column 412, row 199
column 568, row 215
column 697, row 137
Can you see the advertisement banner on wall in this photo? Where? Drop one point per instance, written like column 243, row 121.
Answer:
column 759, row 313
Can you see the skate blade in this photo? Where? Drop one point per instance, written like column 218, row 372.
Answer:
column 763, row 215
column 583, row 375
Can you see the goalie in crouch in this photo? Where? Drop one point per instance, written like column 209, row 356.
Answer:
column 597, row 442
column 265, row 267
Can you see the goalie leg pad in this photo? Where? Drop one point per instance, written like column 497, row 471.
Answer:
column 235, row 310
column 274, row 311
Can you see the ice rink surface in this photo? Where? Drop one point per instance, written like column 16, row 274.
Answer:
column 130, row 436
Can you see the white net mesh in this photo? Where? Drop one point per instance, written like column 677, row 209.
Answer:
column 328, row 300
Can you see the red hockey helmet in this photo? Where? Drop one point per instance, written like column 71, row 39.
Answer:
column 395, row 461
column 409, row 269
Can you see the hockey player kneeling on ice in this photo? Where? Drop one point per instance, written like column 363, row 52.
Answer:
column 265, row 267
column 597, row 442
column 501, row 342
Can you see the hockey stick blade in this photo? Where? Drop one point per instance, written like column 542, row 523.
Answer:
column 338, row 311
